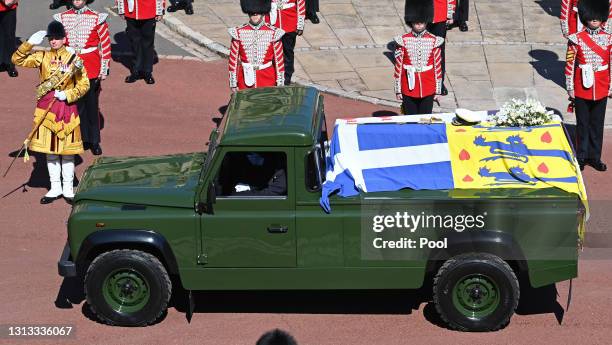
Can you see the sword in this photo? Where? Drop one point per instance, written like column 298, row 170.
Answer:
column 27, row 141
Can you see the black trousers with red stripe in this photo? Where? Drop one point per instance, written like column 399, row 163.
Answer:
column 89, row 113
column 142, row 37
column 590, row 117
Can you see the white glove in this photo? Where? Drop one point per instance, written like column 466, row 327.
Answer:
column 70, row 50
column 37, row 37
column 241, row 187
column 61, row 95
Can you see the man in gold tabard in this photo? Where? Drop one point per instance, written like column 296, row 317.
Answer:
column 56, row 120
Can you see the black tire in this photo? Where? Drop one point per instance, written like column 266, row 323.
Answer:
column 146, row 268
column 464, row 274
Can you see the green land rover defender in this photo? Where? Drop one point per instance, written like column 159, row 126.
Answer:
column 245, row 215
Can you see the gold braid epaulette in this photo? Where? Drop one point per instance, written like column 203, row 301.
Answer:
column 58, row 77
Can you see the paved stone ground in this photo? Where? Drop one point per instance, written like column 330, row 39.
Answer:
column 513, row 49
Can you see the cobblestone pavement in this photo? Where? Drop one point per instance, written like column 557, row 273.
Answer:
column 513, row 49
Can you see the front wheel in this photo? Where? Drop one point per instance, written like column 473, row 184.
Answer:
column 127, row 288
column 476, row 292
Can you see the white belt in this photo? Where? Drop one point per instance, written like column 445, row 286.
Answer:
column 599, row 68
column 588, row 74
column 248, row 69
column 411, row 70
column 86, row 50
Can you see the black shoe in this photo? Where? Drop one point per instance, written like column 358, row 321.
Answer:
column 96, row 150
column 189, row 10
column 47, row 200
column 132, row 78
column 444, row 90
column 69, row 201
column 463, row 27
column 581, row 164
column 12, row 72
column 149, row 79
column 313, row 17
column 86, row 146
column 598, row 165
column 172, row 8
column 55, row 5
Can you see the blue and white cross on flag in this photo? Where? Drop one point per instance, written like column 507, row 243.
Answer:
column 378, row 157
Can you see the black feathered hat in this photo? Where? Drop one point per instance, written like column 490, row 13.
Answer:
column 256, row 6
column 593, row 9
column 418, row 11
column 56, row 29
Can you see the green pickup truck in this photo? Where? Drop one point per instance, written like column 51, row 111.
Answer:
column 246, row 216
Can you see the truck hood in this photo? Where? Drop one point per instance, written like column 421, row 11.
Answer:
column 169, row 180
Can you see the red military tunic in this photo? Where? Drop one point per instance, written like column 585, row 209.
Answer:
column 288, row 15
column 4, row 8
column 141, row 9
column 569, row 17
column 587, row 68
column 256, row 56
column 87, row 32
column 443, row 10
column 418, row 66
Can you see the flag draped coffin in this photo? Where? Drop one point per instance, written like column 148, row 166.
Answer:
column 387, row 155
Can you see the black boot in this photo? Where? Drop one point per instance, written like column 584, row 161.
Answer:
column 12, row 72
column 55, row 5
column 312, row 16
column 96, row 150
column 148, row 78
column 132, row 78
column 189, row 9
column 463, row 27
column 598, row 165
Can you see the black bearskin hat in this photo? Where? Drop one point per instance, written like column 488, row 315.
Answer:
column 56, row 29
column 256, row 6
column 418, row 11
column 86, row 3
column 593, row 9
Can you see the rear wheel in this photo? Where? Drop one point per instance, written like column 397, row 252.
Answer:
column 127, row 288
column 476, row 292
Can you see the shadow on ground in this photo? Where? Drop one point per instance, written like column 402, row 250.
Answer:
column 548, row 65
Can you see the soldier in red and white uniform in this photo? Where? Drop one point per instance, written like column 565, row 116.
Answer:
column 141, row 17
column 443, row 12
column 569, row 17
column 587, row 73
column 88, row 34
column 256, row 52
column 288, row 15
column 8, row 24
column 418, row 62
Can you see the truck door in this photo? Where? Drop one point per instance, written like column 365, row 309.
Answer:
column 253, row 218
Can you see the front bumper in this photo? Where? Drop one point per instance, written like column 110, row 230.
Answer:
column 65, row 266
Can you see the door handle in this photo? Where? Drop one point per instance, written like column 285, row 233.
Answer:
column 277, row 229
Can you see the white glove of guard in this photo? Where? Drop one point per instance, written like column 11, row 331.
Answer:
column 61, row 95
column 70, row 50
column 37, row 37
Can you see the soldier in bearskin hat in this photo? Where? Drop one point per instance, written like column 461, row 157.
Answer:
column 88, row 33
column 256, row 51
column 56, row 129
column 570, row 24
column 587, row 72
column 418, row 65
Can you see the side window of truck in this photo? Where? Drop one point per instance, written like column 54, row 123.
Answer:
column 252, row 174
column 315, row 167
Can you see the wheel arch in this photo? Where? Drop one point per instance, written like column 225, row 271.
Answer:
column 501, row 244
column 149, row 241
